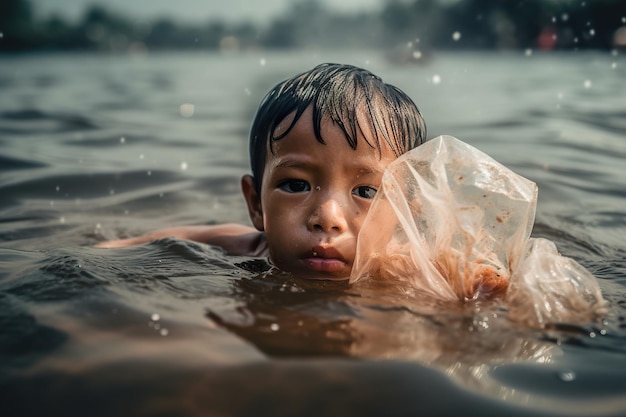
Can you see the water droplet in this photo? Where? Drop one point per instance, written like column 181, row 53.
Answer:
column 262, row 62
column 155, row 317
column 187, row 110
column 614, row 65
column 436, row 79
column 314, row 253
column 274, row 327
column 141, row 156
column 592, row 32
column 567, row 376
column 592, row 335
column 62, row 220
column 122, row 139
column 603, row 332
column 247, row 91
column 318, row 188
column 623, row 19
column 417, row 54
column 184, row 166
column 164, row 332
column 58, row 188
column 456, row 36
column 587, row 83
column 528, row 52
column 1, row 35
column 560, row 96
column 149, row 173
column 565, row 17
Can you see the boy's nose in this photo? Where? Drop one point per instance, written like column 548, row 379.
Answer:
column 327, row 216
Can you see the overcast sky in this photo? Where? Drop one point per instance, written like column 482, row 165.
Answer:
column 196, row 10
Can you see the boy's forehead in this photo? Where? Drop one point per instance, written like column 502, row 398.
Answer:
column 364, row 123
column 304, row 122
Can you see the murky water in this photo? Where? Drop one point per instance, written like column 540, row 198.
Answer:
column 98, row 146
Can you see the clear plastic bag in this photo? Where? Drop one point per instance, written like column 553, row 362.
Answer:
column 454, row 223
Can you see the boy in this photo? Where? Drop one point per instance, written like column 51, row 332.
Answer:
column 319, row 144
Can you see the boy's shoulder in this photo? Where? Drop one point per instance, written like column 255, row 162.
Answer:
column 235, row 239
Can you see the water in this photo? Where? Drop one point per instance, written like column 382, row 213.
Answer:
column 100, row 146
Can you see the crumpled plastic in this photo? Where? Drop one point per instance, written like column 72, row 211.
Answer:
column 455, row 224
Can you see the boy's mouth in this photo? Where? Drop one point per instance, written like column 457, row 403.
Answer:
column 325, row 259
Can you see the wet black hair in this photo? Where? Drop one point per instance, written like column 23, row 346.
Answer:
column 338, row 92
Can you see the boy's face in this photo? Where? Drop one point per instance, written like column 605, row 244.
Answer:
column 314, row 198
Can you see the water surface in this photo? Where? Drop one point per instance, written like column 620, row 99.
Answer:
column 99, row 146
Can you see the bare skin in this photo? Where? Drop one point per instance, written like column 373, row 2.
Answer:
column 235, row 239
column 313, row 200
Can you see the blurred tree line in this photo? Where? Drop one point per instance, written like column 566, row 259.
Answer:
column 462, row 24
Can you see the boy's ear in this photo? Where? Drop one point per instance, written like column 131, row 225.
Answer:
column 253, row 200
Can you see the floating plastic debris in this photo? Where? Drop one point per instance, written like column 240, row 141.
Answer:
column 457, row 227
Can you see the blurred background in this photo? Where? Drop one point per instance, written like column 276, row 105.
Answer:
column 412, row 27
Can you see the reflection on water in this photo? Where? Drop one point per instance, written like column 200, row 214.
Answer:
column 95, row 147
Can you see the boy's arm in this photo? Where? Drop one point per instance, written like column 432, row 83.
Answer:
column 235, row 239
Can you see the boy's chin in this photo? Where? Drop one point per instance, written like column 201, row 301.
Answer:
column 314, row 274
column 324, row 278
column 318, row 269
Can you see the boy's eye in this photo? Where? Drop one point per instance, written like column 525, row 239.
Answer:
column 295, row 186
column 365, row 191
